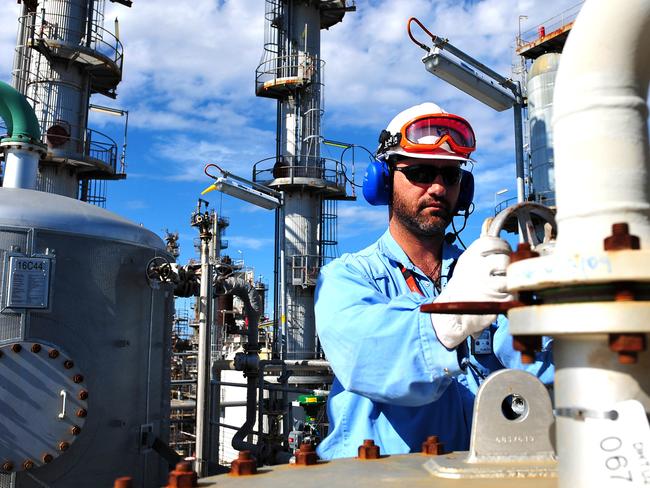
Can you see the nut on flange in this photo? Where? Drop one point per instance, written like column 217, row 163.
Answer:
column 7, row 466
column 244, row 465
column 433, row 446
column 123, row 482
column 306, row 455
column 368, row 450
column 182, row 476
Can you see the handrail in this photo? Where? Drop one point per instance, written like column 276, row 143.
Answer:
column 47, row 30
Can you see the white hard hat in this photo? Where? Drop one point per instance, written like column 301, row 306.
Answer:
column 427, row 131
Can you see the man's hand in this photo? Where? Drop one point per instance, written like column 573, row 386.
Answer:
column 480, row 275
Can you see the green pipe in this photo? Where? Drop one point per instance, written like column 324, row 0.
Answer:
column 19, row 116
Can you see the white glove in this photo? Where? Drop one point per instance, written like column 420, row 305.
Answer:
column 480, row 275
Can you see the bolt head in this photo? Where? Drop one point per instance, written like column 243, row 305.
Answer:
column 81, row 412
column 78, row 378
column 7, row 466
column 67, row 364
column 63, row 446
column 28, row 464
column 36, row 348
column 83, row 395
column 47, row 458
column 16, row 348
column 53, row 354
column 75, row 430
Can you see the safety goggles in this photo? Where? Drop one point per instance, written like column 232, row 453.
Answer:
column 426, row 173
column 428, row 132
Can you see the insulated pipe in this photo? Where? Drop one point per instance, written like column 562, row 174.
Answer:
column 601, row 168
column 19, row 116
column 600, row 126
column 23, row 147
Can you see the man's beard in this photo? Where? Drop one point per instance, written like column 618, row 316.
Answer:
column 420, row 224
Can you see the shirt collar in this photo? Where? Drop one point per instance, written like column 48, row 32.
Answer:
column 392, row 250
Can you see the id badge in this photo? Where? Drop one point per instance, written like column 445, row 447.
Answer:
column 483, row 344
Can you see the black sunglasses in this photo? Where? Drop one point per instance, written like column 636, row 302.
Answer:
column 426, row 173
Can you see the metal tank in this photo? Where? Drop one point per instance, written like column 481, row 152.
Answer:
column 541, row 82
column 84, row 345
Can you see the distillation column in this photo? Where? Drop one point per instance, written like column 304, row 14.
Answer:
column 63, row 56
column 291, row 71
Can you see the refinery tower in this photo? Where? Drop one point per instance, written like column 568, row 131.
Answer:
column 63, row 56
column 291, row 71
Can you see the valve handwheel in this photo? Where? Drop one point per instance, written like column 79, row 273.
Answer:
column 529, row 217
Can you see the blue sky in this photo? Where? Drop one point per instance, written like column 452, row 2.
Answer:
column 188, row 84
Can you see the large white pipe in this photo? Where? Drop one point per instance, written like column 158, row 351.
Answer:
column 21, row 166
column 600, row 125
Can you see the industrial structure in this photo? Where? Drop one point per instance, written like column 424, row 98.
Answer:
column 540, row 50
column 79, row 299
column 291, row 72
column 63, row 56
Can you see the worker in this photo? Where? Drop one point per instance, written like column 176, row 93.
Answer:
column 400, row 374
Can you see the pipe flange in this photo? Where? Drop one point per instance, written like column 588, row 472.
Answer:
column 559, row 270
column 581, row 318
column 24, row 143
column 44, row 404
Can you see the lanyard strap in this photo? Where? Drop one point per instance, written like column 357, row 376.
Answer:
column 410, row 280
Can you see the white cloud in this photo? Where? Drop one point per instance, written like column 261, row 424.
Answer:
column 252, row 243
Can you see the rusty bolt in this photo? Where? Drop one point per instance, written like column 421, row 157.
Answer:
column 47, row 458
column 368, row 450
column 433, row 446
column 183, row 476
column 78, row 378
column 63, row 446
column 306, row 455
column 28, row 464
column 81, row 412
column 53, row 353
column 123, row 482
column 36, row 348
column 83, row 395
column 523, row 252
column 67, row 364
column 621, row 239
column 16, row 348
column 7, row 466
column 75, row 430
column 527, row 345
column 627, row 346
column 244, row 465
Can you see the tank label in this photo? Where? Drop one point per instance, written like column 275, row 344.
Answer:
column 29, row 282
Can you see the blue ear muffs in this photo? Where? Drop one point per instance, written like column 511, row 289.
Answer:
column 466, row 192
column 376, row 186
column 376, row 183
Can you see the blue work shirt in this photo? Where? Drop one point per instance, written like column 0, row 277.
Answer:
column 395, row 382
